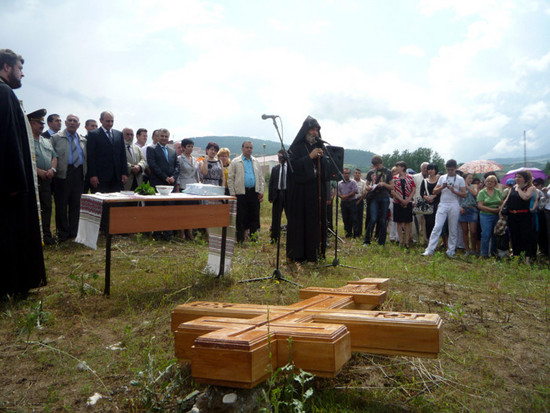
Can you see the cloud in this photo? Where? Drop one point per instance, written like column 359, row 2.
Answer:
column 535, row 112
column 211, row 67
column 535, row 65
column 412, row 50
column 515, row 146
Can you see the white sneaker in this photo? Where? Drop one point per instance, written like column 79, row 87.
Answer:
column 427, row 253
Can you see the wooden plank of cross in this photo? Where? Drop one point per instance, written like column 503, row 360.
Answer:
column 237, row 345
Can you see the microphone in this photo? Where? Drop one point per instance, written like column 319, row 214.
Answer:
column 264, row 117
column 318, row 139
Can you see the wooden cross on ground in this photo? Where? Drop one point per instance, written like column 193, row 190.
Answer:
column 234, row 345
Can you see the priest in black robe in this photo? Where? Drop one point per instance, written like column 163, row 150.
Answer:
column 307, row 195
column 21, row 255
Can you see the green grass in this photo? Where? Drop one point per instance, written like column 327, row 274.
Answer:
column 494, row 356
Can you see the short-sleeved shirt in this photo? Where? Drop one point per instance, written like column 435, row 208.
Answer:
column 44, row 153
column 346, row 188
column 456, row 182
column 489, row 201
column 379, row 175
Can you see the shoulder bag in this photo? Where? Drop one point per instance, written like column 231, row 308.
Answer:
column 423, row 207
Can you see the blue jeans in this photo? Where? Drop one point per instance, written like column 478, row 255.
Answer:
column 378, row 210
column 488, row 239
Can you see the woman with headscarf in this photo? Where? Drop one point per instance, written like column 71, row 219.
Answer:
column 307, row 195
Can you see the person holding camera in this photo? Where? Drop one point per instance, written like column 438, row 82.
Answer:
column 452, row 189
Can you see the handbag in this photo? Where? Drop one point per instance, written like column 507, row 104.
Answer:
column 469, row 201
column 423, row 207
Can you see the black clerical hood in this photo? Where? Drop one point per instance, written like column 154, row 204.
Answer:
column 309, row 123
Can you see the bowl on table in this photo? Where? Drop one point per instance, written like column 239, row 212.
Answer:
column 165, row 189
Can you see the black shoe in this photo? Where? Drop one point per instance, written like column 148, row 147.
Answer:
column 49, row 240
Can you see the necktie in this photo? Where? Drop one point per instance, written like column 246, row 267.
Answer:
column 74, row 150
column 130, row 150
column 165, row 152
column 110, row 136
column 282, row 178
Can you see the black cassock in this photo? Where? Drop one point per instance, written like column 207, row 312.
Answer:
column 306, row 228
column 21, row 256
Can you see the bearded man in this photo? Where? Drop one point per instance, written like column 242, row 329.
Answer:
column 20, row 237
column 307, row 195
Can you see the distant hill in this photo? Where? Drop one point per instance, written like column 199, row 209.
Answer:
column 353, row 158
column 234, row 143
column 538, row 161
column 356, row 158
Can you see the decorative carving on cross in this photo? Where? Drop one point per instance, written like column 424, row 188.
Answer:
column 235, row 344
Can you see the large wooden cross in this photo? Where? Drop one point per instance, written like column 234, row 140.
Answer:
column 235, row 345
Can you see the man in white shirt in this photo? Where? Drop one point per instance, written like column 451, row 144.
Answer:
column 452, row 188
column 277, row 192
column 141, row 138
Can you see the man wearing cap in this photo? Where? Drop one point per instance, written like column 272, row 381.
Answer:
column 21, row 252
column 46, row 167
column 69, row 180
column 54, row 125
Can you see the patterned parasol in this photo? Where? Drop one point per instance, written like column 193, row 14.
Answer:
column 480, row 167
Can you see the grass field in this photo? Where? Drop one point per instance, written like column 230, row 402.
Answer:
column 66, row 341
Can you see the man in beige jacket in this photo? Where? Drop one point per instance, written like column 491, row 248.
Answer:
column 136, row 161
column 71, row 149
column 246, row 182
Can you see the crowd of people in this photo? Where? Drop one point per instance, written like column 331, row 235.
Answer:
column 107, row 160
column 453, row 211
column 62, row 164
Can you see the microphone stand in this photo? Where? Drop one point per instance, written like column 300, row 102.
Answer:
column 277, row 275
column 335, row 261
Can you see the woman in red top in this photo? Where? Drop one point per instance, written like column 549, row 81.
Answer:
column 403, row 193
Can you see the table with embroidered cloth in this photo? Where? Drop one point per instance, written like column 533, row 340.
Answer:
column 138, row 213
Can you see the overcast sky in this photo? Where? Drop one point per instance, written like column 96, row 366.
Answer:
column 464, row 78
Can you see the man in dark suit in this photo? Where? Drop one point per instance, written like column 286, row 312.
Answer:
column 106, row 156
column 277, row 191
column 163, row 162
column 54, row 125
